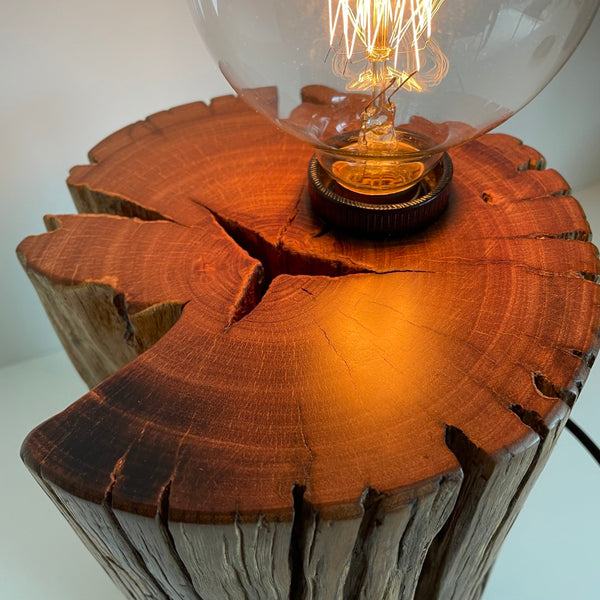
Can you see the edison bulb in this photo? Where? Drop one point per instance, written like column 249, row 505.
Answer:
column 382, row 88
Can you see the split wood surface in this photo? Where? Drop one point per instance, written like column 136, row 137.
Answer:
column 282, row 412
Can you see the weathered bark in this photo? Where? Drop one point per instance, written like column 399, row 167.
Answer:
column 283, row 412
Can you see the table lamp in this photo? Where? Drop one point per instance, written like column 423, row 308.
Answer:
column 282, row 412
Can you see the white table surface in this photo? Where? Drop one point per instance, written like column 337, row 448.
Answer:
column 552, row 552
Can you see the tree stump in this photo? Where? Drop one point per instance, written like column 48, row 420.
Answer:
column 281, row 412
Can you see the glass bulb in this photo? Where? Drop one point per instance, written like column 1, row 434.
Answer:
column 382, row 88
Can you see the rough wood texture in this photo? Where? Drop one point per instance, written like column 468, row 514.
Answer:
column 281, row 412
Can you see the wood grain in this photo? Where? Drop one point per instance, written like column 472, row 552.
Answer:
column 279, row 411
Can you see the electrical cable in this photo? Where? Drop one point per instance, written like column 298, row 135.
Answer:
column 584, row 439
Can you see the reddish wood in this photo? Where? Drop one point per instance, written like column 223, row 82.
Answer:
column 439, row 366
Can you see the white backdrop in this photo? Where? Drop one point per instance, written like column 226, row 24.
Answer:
column 73, row 71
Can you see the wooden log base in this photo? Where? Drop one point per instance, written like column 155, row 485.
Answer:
column 279, row 411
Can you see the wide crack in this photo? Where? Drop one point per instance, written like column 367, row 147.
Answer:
column 163, row 523
column 471, row 525
column 126, row 543
column 537, row 163
column 298, row 543
column 357, row 570
column 478, row 468
column 549, row 389
column 275, row 260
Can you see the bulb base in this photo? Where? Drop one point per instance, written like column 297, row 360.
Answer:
column 377, row 216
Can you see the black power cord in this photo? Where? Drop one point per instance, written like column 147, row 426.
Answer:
column 584, row 439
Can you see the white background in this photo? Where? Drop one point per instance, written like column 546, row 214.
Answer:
column 73, row 71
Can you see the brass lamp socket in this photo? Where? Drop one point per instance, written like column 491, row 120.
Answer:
column 380, row 216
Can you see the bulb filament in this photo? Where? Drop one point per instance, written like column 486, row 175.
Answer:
column 383, row 27
column 384, row 45
column 393, row 37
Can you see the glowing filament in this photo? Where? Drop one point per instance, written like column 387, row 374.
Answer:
column 373, row 37
column 383, row 29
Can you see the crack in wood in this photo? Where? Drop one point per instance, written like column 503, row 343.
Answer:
column 249, row 297
column 275, row 257
column 532, row 420
column 241, row 572
column 120, row 305
column 228, row 562
column 162, row 517
column 88, row 201
column 402, row 545
column 298, row 543
column 548, row 389
column 546, row 195
column 308, row 464
column 443, row 563
column 588, row 276
column 107, row 505
column 548, row 436
column 578, row 235
column 337, row 352
column 369, row 503
column 588, row 358
column 403, row 548
column 533, row 164
column 291, row 218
